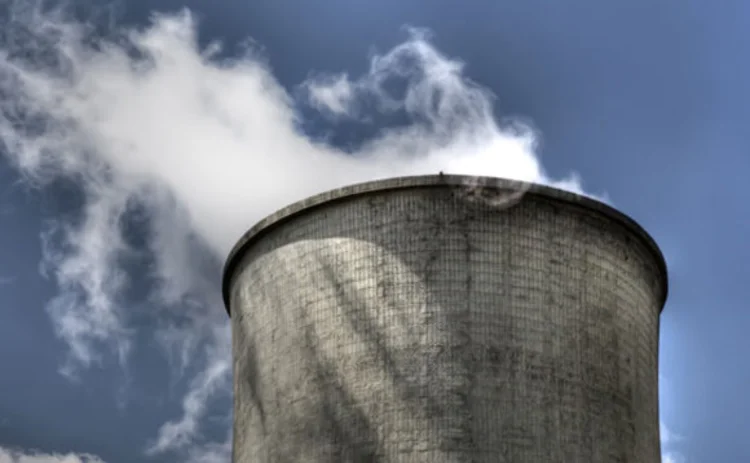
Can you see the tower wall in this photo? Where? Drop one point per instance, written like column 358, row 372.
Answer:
column 446, row 319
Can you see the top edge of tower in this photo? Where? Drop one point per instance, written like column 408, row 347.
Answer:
column 494, row 184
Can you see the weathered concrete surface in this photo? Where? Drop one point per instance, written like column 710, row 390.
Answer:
column 428, row 322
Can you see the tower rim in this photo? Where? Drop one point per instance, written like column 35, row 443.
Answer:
column 496, row 184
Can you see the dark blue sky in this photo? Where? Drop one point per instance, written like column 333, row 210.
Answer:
column 647, row 101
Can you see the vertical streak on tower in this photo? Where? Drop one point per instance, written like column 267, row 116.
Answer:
column 446, row 319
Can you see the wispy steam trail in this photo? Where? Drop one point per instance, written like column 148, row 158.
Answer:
column 202, row 147
column 15, row 456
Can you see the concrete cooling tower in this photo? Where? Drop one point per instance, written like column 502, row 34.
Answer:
column 446, row 319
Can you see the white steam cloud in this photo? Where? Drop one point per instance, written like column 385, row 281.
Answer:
column 668, row 441
column 17, row 456
column 197, row 148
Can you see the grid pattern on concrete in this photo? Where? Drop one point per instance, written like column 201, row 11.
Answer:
column 419, row 325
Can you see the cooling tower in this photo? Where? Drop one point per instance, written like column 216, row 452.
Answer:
column 446, row 319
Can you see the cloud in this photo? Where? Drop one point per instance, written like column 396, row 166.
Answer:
column 672, row 457
column 667, row 436
column 147, row 124
column 16, row 456
column 178, row 434
column 668, row 439
column 333, row 94
column 214, row 452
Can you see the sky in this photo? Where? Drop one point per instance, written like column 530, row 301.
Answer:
column 139, row 140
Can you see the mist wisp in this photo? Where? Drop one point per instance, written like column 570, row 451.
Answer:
column 203, row 147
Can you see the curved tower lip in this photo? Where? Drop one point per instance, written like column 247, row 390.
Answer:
column 281, row 216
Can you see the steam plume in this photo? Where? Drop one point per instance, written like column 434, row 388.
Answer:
column 14, row 456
